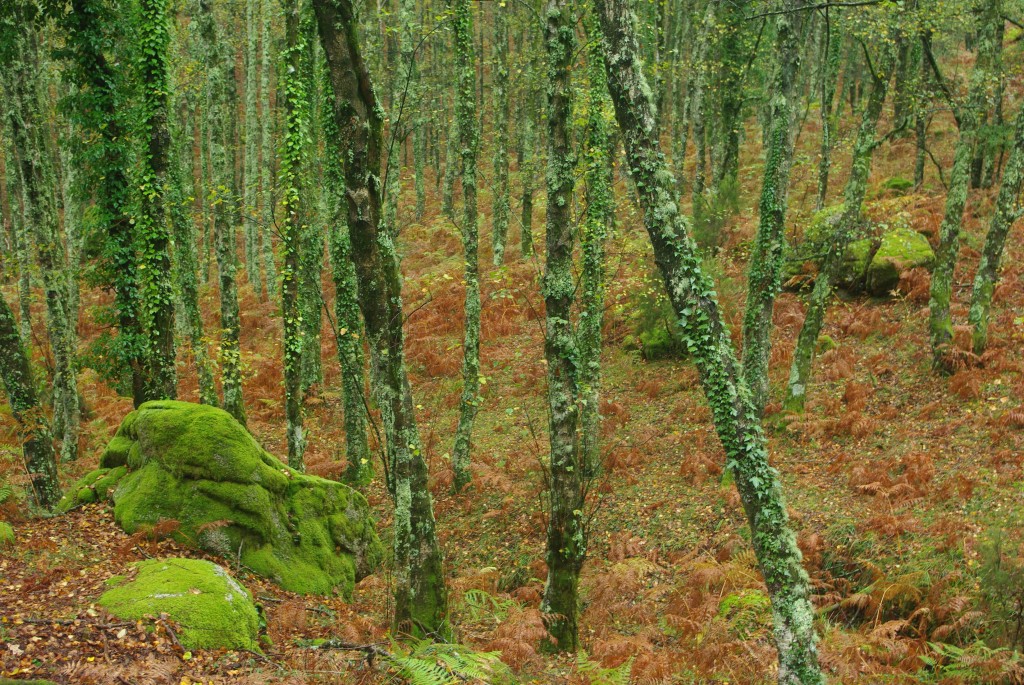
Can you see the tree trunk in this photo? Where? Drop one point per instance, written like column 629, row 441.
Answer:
column 420, row 593
column 765, row 270
column 1007, row 211
column 843, row 234
column 252, row 133
column 692, row 295
column 266, row 192
column 36, row 439
column 970, row 117
column 500, row 204
column 469, row 142
column 828, row 119
column 567, row 535
column 151, row 226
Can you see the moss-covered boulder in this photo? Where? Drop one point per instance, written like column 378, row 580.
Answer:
column 899, row 250
column 212, row 609
column 6, row 535
column 195, row 464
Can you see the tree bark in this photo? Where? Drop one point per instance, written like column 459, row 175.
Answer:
column 420, row 593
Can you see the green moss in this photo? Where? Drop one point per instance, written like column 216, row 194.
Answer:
column 195, row 464
column 900, row 249
column 855, row 264
column 898, row 183
column 6, row 534
column 212, row 609
column 93, row 487
column 826, row 343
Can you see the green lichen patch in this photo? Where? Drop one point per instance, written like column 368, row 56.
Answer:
column 196, row 465
column 211, row 608
column 900, row 249
column 6, row 535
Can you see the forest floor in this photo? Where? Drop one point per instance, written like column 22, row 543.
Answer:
column 905, row 488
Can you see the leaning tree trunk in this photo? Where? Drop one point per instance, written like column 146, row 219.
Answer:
column 566, row 535
column 766, row 261
column 693, row 298
column 151, row 227
column 1007, row 211
column 842, row 236
column 420, row 593
column 970, row 117
column 36, row 440
column 465, row 116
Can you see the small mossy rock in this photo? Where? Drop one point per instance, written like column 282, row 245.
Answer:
column 95, row 486
column 212, row 609
column 901, row 249
column 6, row 535
column 196, row 465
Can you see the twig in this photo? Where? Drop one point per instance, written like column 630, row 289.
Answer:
column 820, row 6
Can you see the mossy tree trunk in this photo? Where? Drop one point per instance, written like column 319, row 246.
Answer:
column 733, row 52
column 765, row 272
column 469, row 142
column 31, row 137
column 566, row 535
column 694, row 301
column 252, row 134
column 36, row 439
column 500, row 202
column 156, row 297
column 293, row 151
column 96, row 109
column 829, row 80
column 1006, row 212
column 421, row 604
column 598, row 173
column 266, row 188
column 842, row 235
column 220, row 99
column 970, row 116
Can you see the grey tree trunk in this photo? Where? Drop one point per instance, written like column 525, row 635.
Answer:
column 566, row 535
column 500, row 203
column 693, row 298
column 469, row 142
column 421, row 603
column 829, row 118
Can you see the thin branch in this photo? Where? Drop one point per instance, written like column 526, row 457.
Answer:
column 819, row 6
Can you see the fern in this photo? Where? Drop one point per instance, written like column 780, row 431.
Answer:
column 598, row 675
column 432, row 663
column 6, row 491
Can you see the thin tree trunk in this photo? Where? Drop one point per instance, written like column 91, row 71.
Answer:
column 692, row 295
column 824, row 283
column 252, row 133
column 970, row 117
column 469, row 137
column 267, row 156
column 1007, row 211
column 420, row 593
column 765, row 271
column 36, row 439
column 500, row 203
column 828, row 118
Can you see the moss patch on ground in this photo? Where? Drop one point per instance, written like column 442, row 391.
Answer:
column 212, row 608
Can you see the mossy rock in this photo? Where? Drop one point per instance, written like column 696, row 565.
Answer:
column 900, row 249
column 855, row 264
column 195, row 464
column 6, row 535
column 95, row 486
column 211, row 608
column 898, row 184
